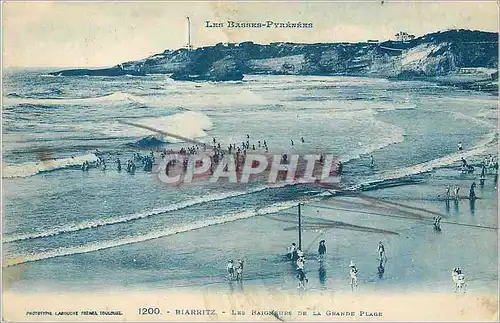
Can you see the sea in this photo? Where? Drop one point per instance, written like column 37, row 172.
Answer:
column 67, row 229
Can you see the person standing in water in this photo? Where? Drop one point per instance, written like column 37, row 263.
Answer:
column 454, row 276
column 495, row 166
column 292, row 252
column 381, row 251
column 340, row 166
column 456, row 190
column 291, row 141
column 239, row 271
column 372, row 162
column 447, row 192
column 301, row 262
column 472, row 193
column 302, row 139
column 437, row 223
column 321, row 250
column 230, row 270
column 459, row 281
column 353, row 273
column 460, row 146
column 300, row 253
column 301, row 276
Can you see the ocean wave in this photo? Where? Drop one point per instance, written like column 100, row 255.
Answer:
column 394, row 135
column 478, row 119
column 118, row 96
column 149, row 142
column 91, row 247
column 52, row 93
column 389, row 107
column 51, row 75
column 136, row 216
column 480, row 148
column 33, row 168
column 27, row 106
column 115, row 97
column 187, row 124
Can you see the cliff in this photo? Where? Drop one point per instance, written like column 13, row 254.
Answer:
column 472, row 55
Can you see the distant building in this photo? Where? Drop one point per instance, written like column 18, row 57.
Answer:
column 230, row 45
column 404, row 36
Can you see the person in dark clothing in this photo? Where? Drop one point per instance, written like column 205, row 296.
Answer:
column 472, row 193
column 321, row 250
column 437, row 223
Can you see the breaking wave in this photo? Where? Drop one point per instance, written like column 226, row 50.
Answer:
column 136, row 216
column 120, row 97
column 274, row 208
column 480, row 148
column 393, row 135
column 33, row 168
column 187, row 124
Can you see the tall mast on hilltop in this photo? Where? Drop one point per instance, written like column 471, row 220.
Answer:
column 188, row 45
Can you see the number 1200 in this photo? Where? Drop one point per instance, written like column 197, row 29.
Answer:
column 149, row 311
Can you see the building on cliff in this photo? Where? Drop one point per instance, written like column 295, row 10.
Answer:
column 404, row 36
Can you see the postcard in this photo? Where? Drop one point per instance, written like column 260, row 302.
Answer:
column 250, row 161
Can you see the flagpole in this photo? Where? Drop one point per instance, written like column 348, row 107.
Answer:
column 300, row 230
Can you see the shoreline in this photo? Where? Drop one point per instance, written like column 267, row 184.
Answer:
column 273, row 270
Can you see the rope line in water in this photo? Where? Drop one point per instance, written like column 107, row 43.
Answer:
column 402, row 217
column 375, row 203
column 403, row 205
column 336, row 224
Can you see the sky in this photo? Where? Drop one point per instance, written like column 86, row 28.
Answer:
column 90, row 34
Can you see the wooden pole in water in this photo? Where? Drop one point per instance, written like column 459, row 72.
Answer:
column 189, row 33
column 300, row 230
